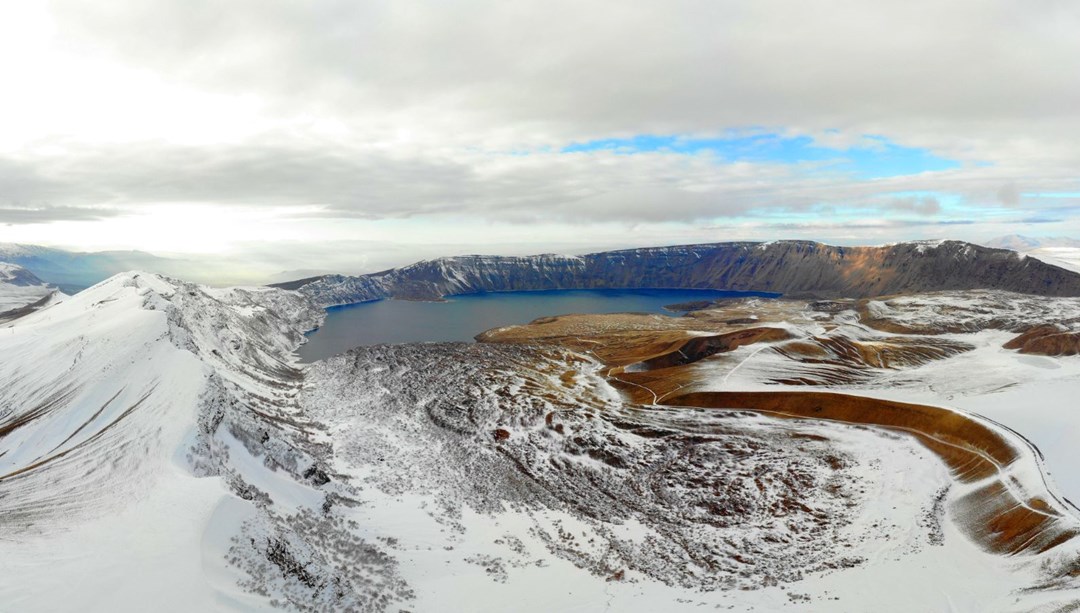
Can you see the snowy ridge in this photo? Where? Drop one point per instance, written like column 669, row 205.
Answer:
column 17, row 275
column 159, row 444
column 163, row 413
column 799, row 268
column 11, row 251
column 21, row 291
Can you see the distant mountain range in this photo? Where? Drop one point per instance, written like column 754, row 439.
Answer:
column 17, row 276
column 1018, row 242
column 793, row 268
column 73, row 271
column 21, row 291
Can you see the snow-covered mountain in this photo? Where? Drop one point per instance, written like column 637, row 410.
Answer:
column 142, row 421
column 793, row 268
column 160, row 446
column 72, row 271
column 20, row 290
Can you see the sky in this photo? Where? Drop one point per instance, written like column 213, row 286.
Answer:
column 316, row 135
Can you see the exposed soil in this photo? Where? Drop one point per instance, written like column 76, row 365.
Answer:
column 651, row 367
column 700, row 347
column 1047, row 340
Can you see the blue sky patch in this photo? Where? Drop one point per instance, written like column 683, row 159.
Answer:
column 877, row 158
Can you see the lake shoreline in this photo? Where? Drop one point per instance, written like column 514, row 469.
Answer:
column 461, row 317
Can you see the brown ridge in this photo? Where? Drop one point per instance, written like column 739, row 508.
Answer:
column 992, row 515
column 1046, row 340
column 698, row 348
column 653, row 367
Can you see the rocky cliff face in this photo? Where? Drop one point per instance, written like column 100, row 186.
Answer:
column 793, row 268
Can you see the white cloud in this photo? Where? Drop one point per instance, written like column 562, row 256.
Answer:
column 260, row 110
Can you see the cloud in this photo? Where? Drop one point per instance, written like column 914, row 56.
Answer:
column 324, row 180
column 21, row 182
column 920, row 205
column 18, row 216
column 558, row 71
column 1009, row 195
column 466, row 111
column 866, row 224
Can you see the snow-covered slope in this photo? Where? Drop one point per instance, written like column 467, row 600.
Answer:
column 142, row 421
column 946, row 348
column 524, row 488
column 160, row 448
column 20, row 289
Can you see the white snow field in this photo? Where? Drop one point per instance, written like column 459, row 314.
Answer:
column 160, row 449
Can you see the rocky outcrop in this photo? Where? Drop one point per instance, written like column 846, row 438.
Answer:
column 1047, row 340
column 792, row 268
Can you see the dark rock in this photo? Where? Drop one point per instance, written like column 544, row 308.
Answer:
column 792, row 268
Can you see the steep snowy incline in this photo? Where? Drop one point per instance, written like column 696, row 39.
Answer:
column 146, row 425
column 21, row 292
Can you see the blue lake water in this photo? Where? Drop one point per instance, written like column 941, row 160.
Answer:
column 463, row 317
